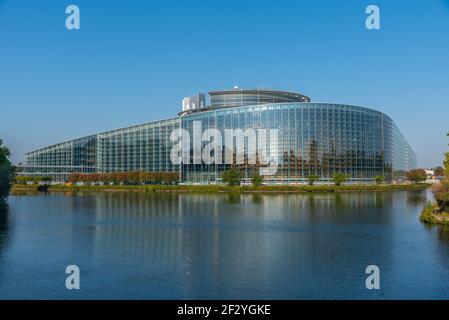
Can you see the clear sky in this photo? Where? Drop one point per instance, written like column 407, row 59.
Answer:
column 133, row 62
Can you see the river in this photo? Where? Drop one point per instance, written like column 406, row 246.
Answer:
column 221, row 246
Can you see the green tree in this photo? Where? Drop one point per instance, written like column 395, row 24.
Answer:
column 339, row 178
column 256, row 179
column 6, row 172
column 22, row 179
column 379, row 179
column 416, row 175
column 313, row 178
column 231, row 177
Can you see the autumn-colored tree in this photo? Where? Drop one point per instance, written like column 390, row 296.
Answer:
column 417, row 175
column 439, row 171
column 133, row 177
column 441, row 190
column 446, row 163
column 73, row 178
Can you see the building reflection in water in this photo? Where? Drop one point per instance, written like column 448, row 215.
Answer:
column 166, row 245
column 235, row 239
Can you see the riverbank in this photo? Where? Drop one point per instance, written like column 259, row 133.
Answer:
column 227, row 189
column 432, row 215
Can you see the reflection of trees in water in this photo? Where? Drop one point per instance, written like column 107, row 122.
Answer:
column 416, row 197
column 380, row 199
column 256, row 198
column 443, row 233
column 349, row 207
column 24, row 192
column 339, row 201
column 356, row 200
column 233, row 198
column 157, row 225
column 4, row 223
column 3, row 205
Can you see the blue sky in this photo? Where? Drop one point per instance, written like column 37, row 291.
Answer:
column 132, row 62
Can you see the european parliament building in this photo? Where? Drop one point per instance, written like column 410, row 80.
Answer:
column 313, row 138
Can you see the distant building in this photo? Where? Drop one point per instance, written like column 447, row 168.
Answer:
column 432, row 178
column 194, row 102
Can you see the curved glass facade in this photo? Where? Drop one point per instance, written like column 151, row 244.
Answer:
column 312, row 138
column 144, row 147
column 239, row 98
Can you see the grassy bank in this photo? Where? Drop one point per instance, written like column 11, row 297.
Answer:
column 228, row 189
column 431, row 214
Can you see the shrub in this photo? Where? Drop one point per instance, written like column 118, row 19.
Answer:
column 23, row 179
column 441, row 193
column 34, row 180
column 256, row 179
column 231, row 177
column 313, row 178
column 379, row 179
column 339, row 178
column 126, row 178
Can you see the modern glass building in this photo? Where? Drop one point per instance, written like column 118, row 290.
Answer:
column 240, row 98
column 312, row 138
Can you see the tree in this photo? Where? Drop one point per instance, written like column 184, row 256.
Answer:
column 379, row 179
column 256, row 179
column 23, row 179
column 417, row 175
column 441, row 193
column 441, row 190
column 439, row 171
column 313, row 178
column 126, row 178
column 231, row 177
column 339, row 178
column 74, row 178
column 446, row 163
column 6, row 172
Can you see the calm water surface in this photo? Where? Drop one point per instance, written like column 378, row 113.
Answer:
column 179, row 246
